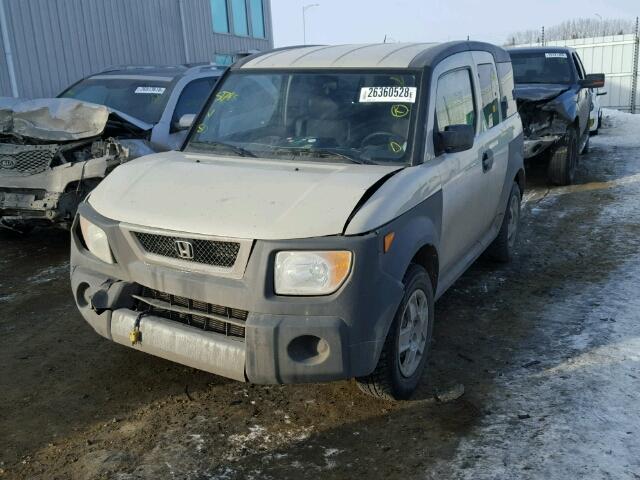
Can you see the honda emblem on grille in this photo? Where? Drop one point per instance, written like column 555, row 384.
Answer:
column 7, row 163
column 184, row 249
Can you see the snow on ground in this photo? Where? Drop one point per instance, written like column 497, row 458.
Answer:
column 622, row 129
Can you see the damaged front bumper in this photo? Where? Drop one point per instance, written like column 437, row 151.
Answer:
column 237, row 327
column 544, row 123
column 33, row 192
column 536, row 146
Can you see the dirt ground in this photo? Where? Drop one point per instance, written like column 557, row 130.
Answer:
column 547, row 349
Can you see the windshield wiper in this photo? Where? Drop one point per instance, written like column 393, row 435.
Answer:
column 328, row 152
column 242, row 152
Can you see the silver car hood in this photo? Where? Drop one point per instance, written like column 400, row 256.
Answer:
column 235, row 197
column 57, row 119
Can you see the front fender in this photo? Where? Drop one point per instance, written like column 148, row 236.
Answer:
column 416, row 228
column 564, row 106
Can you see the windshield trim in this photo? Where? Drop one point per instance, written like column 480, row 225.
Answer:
column 414, row 133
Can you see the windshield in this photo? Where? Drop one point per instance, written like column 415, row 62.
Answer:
column 541, row 67
column 361, row 117
column 135, row 96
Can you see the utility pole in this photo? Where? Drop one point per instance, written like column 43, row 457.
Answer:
column 542, row 36
column 634, row 79
column 304, row 20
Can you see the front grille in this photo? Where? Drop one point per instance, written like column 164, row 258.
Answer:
column 209, row 252
column 22, row 160
column 202, row 315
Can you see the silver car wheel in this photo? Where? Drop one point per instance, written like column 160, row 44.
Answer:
column 412, row 338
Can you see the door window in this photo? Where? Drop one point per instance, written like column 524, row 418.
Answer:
column 489, row 92
column 579, row 68
column 454, row 100
column 505, row 78
column 192, row 98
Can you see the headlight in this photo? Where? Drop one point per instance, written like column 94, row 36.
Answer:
column 96, row 240
column 311, row 273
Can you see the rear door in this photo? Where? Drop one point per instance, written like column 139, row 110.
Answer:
column 493, row 139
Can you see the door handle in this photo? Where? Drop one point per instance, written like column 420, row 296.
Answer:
column 487, row 161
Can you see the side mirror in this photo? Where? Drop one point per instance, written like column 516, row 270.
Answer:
column 456, row 138
column 186, row 121
column 593, row 80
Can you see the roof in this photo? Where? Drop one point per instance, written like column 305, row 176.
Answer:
column 380, row 55
column 167, row 72
column 548, row 49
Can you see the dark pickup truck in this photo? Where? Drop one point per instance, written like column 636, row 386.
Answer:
column 554, row 99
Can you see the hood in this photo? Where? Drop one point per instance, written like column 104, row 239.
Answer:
column 235, row 197
column 57, row 119
column 537, row 92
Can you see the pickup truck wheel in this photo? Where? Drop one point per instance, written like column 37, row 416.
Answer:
column 503, row 246
column 585, row 149
column 405, row 351
column 562, row 165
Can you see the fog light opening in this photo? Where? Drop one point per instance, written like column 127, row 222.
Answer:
column 308, row 349
column 82, row 295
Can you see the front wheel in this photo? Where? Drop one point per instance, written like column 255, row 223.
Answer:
column 405, row 351
column 564, row 159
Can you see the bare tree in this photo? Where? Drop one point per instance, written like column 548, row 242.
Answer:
column 577, row 28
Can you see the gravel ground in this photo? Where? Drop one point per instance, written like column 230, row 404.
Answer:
column 547, row 350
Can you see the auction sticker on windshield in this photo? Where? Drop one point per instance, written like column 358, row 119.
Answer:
column 555, row 55
column 151, row 90
column 388, row 94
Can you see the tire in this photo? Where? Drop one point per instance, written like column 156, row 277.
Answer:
column 599, row 121
column 392, row 379
column 502, row 248
column 563, row 161
column 585, row 149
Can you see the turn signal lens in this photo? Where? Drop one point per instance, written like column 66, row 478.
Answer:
column 388, row 241
column 311, row 273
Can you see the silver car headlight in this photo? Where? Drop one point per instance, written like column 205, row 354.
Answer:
column 311, row 272
column 96, row 240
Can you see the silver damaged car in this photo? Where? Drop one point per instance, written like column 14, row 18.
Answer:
column 324, row 199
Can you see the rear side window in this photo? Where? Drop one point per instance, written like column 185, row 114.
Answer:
column 489, row 91
column 193, row 97
column 454, row 100
column 505, row 78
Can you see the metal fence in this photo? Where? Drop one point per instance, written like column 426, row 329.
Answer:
column 617, row 57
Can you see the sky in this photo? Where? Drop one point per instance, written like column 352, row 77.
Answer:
column 367, row 21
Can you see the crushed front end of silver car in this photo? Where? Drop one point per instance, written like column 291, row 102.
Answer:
column 53, row 152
